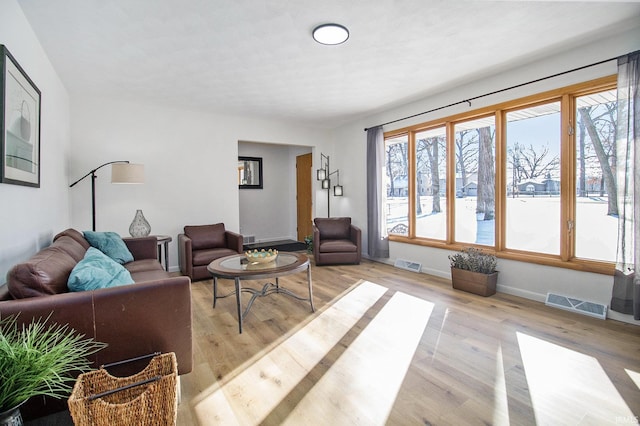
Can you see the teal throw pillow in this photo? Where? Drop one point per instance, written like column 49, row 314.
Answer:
column 111, row 244
column 97, row 270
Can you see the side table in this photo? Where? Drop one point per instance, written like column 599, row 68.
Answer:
column 163, row 240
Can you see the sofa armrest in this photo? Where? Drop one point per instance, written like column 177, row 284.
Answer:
column 144, row 318
column 355, row 234
column 185, row 255
column 234, row 241
column 316, row 243
column 142, row 247
column 4, row 292
column 133, row 320
column 356, row 238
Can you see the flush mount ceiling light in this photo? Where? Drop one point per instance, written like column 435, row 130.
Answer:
column 330, row 34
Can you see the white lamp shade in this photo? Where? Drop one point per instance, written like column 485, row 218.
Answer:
column 127, row 173
column 322, row 174
column 337, row 191
column 325, row 184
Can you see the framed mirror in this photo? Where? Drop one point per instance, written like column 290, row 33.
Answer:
column 250, row 172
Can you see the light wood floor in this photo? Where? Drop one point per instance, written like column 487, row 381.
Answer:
column 387, row 346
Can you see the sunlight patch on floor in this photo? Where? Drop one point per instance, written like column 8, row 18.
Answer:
column 251, row 395
column 362, row 385
column 501, row 402
column 568, row 385
column 635, row 376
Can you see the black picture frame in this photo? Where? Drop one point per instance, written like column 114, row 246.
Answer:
column 250, row 173
column 19, row 124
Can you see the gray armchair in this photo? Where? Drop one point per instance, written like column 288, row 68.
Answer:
column 336, row 241
column 202, row 244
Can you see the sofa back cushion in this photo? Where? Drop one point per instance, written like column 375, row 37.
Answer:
column 44, row 274
column 334, row 228
column 76, row 235
column 206, row 236
column 71, row 247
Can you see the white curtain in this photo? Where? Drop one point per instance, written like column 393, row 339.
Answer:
column 376, row 222
column 626, row 283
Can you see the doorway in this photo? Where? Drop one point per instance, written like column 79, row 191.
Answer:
column 304, row 202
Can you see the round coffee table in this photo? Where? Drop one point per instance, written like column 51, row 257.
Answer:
column 238, row 268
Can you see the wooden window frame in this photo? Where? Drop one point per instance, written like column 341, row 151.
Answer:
column 566, row 96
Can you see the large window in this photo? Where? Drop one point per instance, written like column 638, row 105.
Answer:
column 533, row 179
column 431, row 175
column 475, row 181
column 396, row 185
column 530, row 179
column 596, row 201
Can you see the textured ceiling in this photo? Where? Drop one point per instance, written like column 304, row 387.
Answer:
column 257, row 57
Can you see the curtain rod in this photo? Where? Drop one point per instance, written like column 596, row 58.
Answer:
column 495, row 92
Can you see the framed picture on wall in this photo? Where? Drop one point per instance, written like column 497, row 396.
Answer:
column 250, row 172
column 20, row 124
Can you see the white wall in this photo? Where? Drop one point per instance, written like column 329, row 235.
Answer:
column 190, row 160
column 30, row 217
column 523, row 279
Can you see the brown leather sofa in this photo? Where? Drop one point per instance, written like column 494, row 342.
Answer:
column 154, row 314
column 202, row 244
column 336, row 241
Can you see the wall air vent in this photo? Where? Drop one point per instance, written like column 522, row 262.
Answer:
column 408, row 265
column 591, row 309
column 248, row 239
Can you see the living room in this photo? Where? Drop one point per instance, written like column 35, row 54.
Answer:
column 190, row 153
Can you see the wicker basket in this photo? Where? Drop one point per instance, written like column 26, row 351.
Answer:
column 147, row 398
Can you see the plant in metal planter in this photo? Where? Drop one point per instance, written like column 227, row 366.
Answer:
column 39, row 359
column 474, row 271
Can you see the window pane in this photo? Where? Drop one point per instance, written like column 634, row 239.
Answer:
column 396, row 182
column 533, row 179
column 475, row 181
column 596, row 208
column 431, row 198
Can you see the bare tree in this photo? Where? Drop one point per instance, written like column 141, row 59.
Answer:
column 422, row 170
column 582, row 183
column 529, row 163
column 466, row 154
column 601, row 150
column 486, row 200
column 433, row 154
column 396, row 155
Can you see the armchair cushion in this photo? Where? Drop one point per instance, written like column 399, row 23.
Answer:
column 337, row 246
column 335, row 228
column 206, row 236
column 111, row 244
column 97, row 270
column 204, row 257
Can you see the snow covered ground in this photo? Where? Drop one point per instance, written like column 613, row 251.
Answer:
column 533, row 224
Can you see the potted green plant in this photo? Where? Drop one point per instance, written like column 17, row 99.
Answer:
column 308, row 240
column 474, row 271
column 38, row 359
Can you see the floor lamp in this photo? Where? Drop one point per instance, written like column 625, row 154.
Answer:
column 121, row 172
column 324, row 174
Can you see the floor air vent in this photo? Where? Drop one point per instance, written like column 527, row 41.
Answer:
column 408, row 265
column 592, row 309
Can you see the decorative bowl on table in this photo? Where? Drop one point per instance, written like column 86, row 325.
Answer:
column 261, row 256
